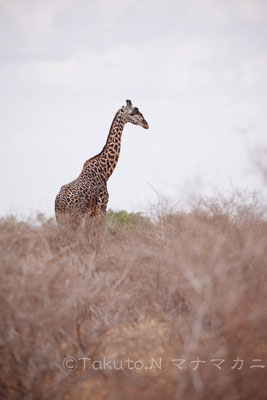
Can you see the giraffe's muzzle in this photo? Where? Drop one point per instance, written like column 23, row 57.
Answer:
column 145, row 124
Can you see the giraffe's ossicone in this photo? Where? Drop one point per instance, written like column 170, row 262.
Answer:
column 87, row 196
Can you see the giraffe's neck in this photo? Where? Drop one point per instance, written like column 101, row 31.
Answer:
column 110, row 154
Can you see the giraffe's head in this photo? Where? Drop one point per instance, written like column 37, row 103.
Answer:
column 133, row 115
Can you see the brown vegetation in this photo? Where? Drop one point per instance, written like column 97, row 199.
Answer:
column 180, row 285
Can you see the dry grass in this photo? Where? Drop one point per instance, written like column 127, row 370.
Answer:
column 184, row 286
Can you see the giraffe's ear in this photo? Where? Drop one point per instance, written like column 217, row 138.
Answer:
column 129, row 103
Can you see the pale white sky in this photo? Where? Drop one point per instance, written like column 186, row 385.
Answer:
column 197, row 70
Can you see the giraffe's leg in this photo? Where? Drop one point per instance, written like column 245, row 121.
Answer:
column 100, row 213
column 91, row 229
column 93, row 216
column 98, row 222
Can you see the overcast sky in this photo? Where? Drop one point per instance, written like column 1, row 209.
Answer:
column 197, row 70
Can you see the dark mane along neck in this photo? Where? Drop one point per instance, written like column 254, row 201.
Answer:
column 110, row 154
column 113, row 129
column 107, row 141
column 107, row 159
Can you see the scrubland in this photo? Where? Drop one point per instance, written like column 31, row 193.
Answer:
column 132, row 319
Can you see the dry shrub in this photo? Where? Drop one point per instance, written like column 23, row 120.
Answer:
column 183, row 285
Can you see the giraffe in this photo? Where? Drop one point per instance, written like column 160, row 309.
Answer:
column 86, row 198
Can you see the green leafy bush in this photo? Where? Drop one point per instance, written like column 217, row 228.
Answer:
column 115, row 220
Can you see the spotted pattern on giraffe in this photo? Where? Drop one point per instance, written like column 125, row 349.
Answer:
column 79, row 201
